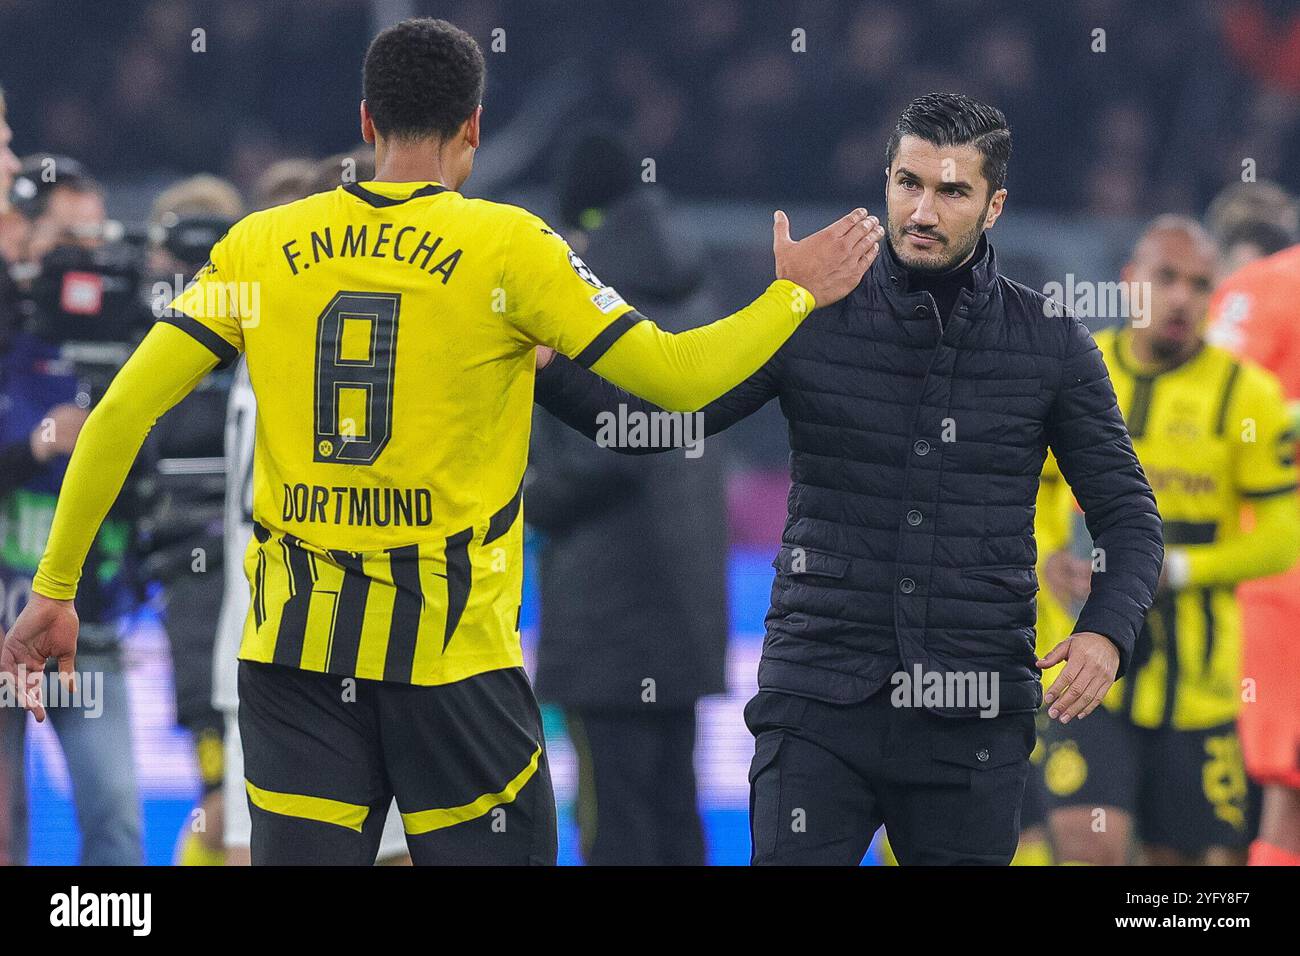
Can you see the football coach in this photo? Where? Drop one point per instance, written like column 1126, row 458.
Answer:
column 898, row 682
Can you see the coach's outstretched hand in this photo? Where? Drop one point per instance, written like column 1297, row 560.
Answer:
column 830, row 262
column 45, row 628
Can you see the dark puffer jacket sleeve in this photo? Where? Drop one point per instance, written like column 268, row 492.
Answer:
column 576, row 396
column 1086, row 431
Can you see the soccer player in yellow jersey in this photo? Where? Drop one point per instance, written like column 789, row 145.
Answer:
column 1161, row 759
column 390, row 331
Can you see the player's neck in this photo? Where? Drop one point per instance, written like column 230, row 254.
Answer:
column 415, row 163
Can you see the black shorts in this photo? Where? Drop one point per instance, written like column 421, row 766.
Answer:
column 324, row 757
column 1185, row 789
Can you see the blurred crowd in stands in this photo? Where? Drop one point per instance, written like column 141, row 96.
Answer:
column 1119, row 109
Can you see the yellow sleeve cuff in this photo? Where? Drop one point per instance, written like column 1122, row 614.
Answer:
column 684, row 371
column 46, row 586
column 801, row 300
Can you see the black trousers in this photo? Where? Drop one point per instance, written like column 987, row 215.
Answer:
column 13, row 788
column 636, row 786
column 826, row 776
column 192, row 606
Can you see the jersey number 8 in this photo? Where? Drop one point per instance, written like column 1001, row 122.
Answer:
column 356, row 350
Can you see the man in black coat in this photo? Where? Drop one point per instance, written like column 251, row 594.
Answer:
column 898, row 682
column 634, row 556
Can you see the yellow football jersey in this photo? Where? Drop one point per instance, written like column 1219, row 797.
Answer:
column 1053, row 510
column 1212, row 434
column 392, row 353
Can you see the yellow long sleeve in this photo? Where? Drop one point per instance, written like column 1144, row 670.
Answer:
column 1271, row 547
column 684, row 371
column 680, row 372
column 162, row 370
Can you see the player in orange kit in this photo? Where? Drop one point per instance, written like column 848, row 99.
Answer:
column 1254, row 314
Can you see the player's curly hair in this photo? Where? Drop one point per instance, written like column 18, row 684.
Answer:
column 954, row 119
column 422, row 78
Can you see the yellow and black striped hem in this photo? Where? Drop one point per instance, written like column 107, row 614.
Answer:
column 426, row 821
column 320, row 809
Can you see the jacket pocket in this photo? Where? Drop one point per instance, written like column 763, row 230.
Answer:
column 766, row 748
column 1008, row 387
column 765, row 819
column 986, row 743
column 989, row 758
column 798, row 562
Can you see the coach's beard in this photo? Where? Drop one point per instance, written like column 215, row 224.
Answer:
column 938, row 262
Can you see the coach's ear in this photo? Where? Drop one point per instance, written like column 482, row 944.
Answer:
column 995, row 208
column 367, row 124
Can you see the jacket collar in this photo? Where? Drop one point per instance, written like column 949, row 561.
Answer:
column 891, row 276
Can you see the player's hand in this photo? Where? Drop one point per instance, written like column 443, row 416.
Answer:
column 1093, row 662
column 45, row 628
column 1068, row 577
column 58, row 432
column 544, row 355
column 829, row 263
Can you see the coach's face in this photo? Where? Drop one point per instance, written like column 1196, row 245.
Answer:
column 939, row 203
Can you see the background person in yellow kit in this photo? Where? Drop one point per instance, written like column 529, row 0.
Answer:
column 1162, row 758
column 1055, row 511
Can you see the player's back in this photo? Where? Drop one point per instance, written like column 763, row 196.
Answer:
column 394, row 397
column 389, row 332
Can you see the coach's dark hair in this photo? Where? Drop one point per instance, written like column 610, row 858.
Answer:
column 422, row 78
column 954, row 119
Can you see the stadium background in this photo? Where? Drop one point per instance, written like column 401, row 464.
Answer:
column 736, row 123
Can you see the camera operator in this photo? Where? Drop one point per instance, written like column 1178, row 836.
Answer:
column 75, row 286
column 183, row 493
